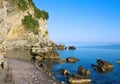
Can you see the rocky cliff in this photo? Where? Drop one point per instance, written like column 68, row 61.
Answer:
column 22, row 24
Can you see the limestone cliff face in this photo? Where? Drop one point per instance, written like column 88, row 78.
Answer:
column 12, row 30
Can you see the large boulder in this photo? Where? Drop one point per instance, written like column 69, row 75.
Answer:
column 78, row 79
column 82, row 71
column 102, row 66
column 72, row 59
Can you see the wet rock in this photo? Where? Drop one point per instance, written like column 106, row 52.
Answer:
column 78, row 79
column 82, row 71
column 72, row 59
column 60, row 47
column 64, row 72
column 65, row 48
column 60, row 61
column 102, row 66
column 118, row 61
column 62, row 82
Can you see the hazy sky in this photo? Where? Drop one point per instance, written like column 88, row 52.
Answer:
column 82, row 20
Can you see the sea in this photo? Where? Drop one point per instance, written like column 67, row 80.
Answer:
column 88, row 53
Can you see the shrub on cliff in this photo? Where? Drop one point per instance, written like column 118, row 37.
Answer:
column 31, row 24
column 22, row 5
column 40, row 13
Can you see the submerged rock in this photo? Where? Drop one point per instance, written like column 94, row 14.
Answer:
column 102, row 66
column 72, row 59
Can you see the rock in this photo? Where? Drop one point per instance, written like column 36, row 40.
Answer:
column 71, row 47
column 60, row 47
column 62, row 82
column 72, row 59
column 12, row 30
column 60, row 61
column 2, row 49
column 38, row 57
column 82, row 71
column 77, row 79
column 1, row 59
column 44, row 67
column 3, row 62
column 102, row 66
column 64, row 72
column 118, row 61
column 65, row 48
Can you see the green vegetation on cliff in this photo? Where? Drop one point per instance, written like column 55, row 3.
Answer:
column 31, row 24
column 40, row 13
column 37, row 12
column 22, row 5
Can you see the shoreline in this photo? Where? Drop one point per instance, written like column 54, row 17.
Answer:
column 24, row 72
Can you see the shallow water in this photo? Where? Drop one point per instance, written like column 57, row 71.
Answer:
column 88, row 54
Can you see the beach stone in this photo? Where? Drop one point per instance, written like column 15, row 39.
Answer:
column 20, row 73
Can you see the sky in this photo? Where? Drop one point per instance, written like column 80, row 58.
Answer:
column 82, row 20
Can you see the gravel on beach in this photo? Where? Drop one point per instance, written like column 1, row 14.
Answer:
column 26, row 73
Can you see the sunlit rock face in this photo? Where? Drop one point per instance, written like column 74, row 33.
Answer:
column 12, row 32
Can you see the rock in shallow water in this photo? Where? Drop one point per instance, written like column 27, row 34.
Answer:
column 82, row 71
column 118, row 61
column 79, row 80
column 102, row 66
column 64, row 72
column 72, row 59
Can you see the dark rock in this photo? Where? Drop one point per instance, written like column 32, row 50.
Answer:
column 72, row 59
column 65, row 48
column 82, row 71
column 64, row 72
column 102, row 66
column 71, row 47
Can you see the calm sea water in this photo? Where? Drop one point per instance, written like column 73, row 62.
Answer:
column 88, row 54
